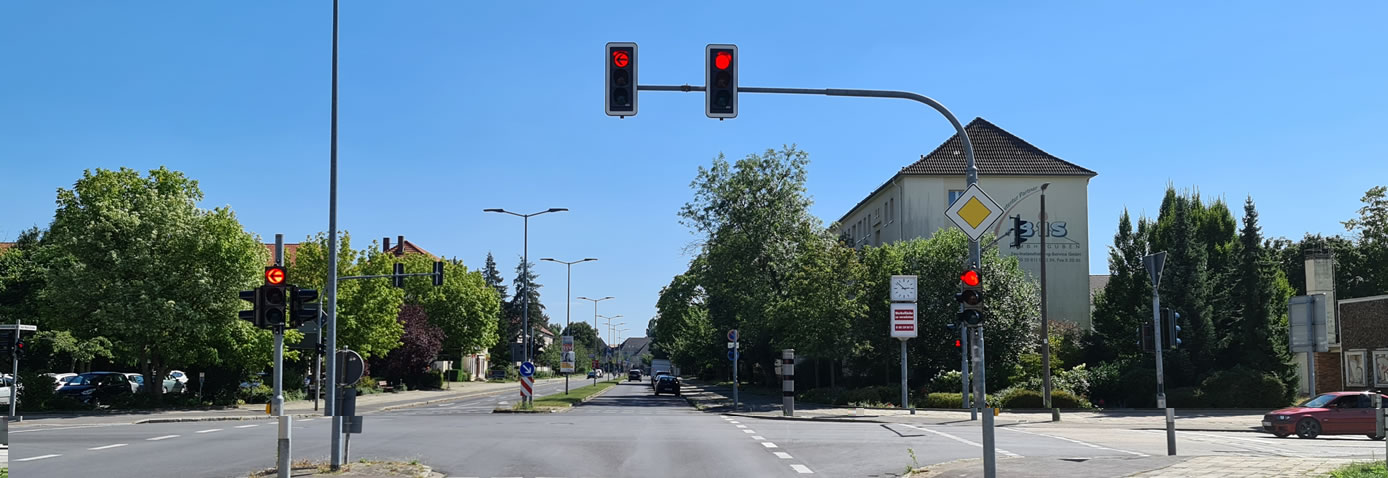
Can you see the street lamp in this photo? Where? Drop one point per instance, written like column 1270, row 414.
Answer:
column 525, row 265
column 1042, row 229
column 595, row 327
column 568, row 290
column 609, row 328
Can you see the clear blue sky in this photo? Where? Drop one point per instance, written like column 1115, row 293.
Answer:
column 449, row 107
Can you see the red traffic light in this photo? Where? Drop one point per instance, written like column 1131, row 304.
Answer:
column 970, row 278
column 620, row 58
column 274, row 275
column 722, row 60
column 958, row 343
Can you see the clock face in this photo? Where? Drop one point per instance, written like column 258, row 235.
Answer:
column 903, row 288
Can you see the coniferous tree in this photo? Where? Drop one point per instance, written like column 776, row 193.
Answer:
column 1126, row 300
column 1258, row 338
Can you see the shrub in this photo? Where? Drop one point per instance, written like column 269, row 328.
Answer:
column 367, row 385
column 1076, row 380
column 1104, row 387
column 1065, row 399
column 1242, row 387
column 946, row 382
column 1020, row 398
column 823, row 395
column 1186, row 397
column 259, row 393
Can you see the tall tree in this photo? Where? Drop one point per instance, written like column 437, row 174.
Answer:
column 515, row 309
column 465, row 307
column 367, row 309
column 1258, row 339
column 135, row 259
column 22, row 278
column 1126, row 301
column 493, row 277
column 1371, row 231
column 1185, row 287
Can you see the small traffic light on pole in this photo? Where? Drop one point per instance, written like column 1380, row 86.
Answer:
column 1017, row 225
column 303, row 306
column 621, row 79
column 18, row 346
column 252, row 315
column 720, row 81
column 438, row 273
column 1171, row 329
column 397, row 275
column 971, row 297
column 273, row 297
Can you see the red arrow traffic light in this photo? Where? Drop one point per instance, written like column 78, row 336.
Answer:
column 274, row 275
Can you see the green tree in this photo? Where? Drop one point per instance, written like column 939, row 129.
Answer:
column 134, row 259
column 367, row 309
column 1258, row 338
column 515, row 309
column 1126, row 301
column 465, row 307
column 493, row 277
column 22, row 278
column 1185, row 287
column 1371, row 231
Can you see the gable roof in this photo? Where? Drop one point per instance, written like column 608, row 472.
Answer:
column 996, row 152
column 403, row 247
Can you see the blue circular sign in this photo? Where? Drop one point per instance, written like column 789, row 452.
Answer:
column 731, row 353
column 527, row 369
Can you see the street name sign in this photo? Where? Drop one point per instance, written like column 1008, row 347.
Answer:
column 974, row 212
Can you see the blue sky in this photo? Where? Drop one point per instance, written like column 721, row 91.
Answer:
column 449, row 107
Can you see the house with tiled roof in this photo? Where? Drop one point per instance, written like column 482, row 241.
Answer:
column 912, row 204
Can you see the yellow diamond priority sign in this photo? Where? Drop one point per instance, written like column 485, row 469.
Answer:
column 974, row 212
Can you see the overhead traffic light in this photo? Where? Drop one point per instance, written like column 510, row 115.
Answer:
column 1017, row 237
column 1171, row 329
column 253, row 315
column 273, row 297
column 720, row 81
column 303, row 306
column 970, row 297
column 621, row 79
column 397, row 275
column 438, row 273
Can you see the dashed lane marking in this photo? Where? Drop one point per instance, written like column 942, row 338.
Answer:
column 782, row 455
column 768, row 444
column 802, row 469
column 165, row 437
column 758, row 438
column 118, row 445
column 742, row 426
column 40, row 457
column 210, row 430
column 247, row 426
column 961, row 440
column 749, row 431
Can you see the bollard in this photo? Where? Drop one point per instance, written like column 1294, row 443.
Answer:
column 283, row 463
column 788, row 382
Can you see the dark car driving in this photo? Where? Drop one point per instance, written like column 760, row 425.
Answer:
column 667, row 383
column 634, row 375
column 96, row 388
column 1336, row 413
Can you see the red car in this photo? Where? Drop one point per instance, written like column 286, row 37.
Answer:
column 1336, row 413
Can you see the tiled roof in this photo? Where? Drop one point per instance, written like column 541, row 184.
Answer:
column 5, row 245
column 290, row 252
column 996, row 152
column 402, row 247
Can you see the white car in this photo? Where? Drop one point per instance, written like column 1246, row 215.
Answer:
column 60, row 379
column 180, row 376
column 5, row 383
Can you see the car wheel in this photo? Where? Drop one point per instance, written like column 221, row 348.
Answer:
column 1374, row 437
column 1308, row 428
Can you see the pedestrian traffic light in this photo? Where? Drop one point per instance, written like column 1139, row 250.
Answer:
column 1017, row 237
column 438, row 273
column 621, row 79
column 252, row 315
column 303, row 306
column 273, row 297
column 1171, row 328
column 397, row 276
column 720, row 81
column 970, row 297
column 958, row 343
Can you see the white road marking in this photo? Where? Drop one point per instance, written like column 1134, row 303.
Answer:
column 802, row 469
column 67, row 428
column 306, row 420
column 768, row 444
column 165, row 437
column 961, row 440
column 1091, row 445
column 758, row 438
column 40, row 457
column 118, row 445
column 247, row 426
column 782, row 455
column 749, row 431
column 210, row 430
column 734, row 422
column 742, row 426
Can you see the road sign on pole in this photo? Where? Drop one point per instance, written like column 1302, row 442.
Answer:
column 974, row 211
column 903, row 320
column 732, row 335
column 527, row 369
column 527, row 387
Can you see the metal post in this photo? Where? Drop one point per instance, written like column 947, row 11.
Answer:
column 904, row 393
column 14, row 376
column 1045, row 319
column 330, row 403
column 1161, row 377
column 568, row 304
column 525, row 301
column 736, row 353
column 964, row 345
column 990, row 465
column 282, row 461
column 1310, row 354
column 788, row 382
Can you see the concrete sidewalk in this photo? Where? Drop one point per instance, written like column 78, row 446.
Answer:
column 716, row 398
column 371, row 403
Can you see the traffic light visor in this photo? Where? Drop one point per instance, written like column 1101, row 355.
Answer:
column 274, row 275
column 970, row 278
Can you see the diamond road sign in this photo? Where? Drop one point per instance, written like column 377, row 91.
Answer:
column 974, row 212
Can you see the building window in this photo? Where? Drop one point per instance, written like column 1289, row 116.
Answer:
column 954, row 194
column 891, row 211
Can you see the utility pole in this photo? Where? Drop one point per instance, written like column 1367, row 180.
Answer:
column 525, row 267
column 597, row 335
column 1154, row 264
column 330, row 404
column 1045, row 319
column 282, row 464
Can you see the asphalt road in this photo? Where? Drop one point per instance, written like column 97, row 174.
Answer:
column 625, row 432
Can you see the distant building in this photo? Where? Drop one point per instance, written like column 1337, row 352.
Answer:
column 913, row 201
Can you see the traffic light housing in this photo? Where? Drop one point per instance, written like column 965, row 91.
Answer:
column 621, row 79
column 438, row 273
column 19, row 346
column 1171, row 329
column 397, row 275
column 1145, row 337
column 303, row 306
column 1017, row 237
column 720, row 81
column 274, row 298
column 970, row 297
column 252, row 315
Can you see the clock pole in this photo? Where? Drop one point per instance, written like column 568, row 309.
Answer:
column 904, row 322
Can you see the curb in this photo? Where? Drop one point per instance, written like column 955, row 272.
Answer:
column 807, row 419
column 217, row 419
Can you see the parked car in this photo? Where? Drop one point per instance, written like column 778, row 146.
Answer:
column 96, row 387
column 6, row 382
column 634, row 375
column 60, row 379
column 1335, row 413
column 171, row 385
column 667, row 383
column 180, row 376
column 592, row 374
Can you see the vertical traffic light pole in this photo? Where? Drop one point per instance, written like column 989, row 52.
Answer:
column 282, row 464
column 971, row 177
column 330, row 402
column 14, row 364
column 1045, row 320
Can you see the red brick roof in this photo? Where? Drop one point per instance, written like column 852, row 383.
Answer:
column 5, row 245
column 402, row 247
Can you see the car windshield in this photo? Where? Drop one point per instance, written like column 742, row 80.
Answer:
column 1318, row 402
